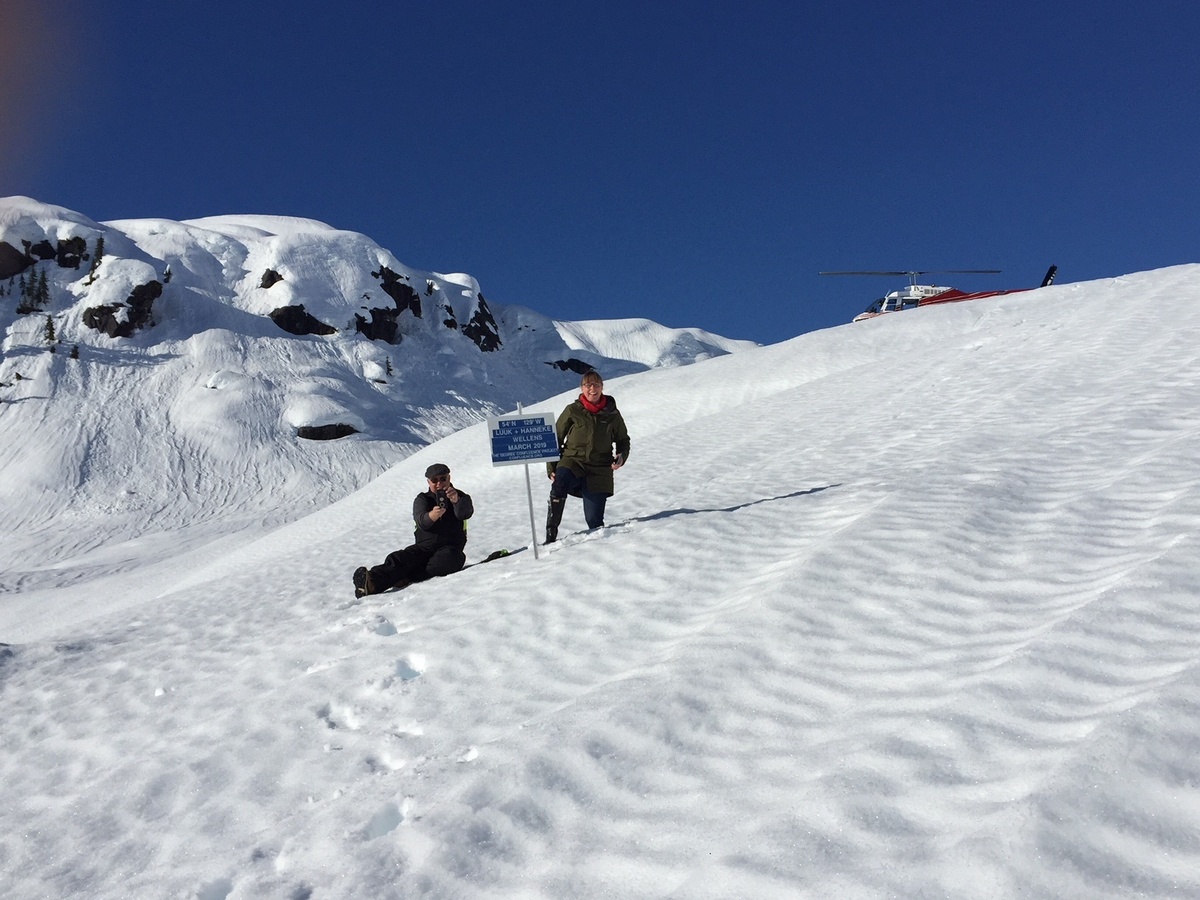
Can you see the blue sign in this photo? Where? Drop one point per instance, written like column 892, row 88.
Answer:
column 523, row 438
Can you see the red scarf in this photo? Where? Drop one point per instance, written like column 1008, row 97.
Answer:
column 593, row 408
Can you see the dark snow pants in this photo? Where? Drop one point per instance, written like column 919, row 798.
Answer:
column 416, row 564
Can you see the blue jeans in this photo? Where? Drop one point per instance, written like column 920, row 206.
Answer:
column 567, row 482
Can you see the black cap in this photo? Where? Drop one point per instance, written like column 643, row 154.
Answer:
column 437, row 469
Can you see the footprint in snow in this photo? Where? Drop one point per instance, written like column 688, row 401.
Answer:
column 406, row 669
column 410, row 667
column 387, row 819
column 215, row 890
column 321, row 666
column 385, row 761
column 341, row 717
column 408, row 729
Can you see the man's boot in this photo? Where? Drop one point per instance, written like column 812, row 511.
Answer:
column 554, row 511
column 362, row 582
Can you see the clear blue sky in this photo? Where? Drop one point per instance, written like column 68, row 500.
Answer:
column 695, row 162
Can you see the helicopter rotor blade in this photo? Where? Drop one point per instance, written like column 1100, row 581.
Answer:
column 913, row 272
column 866, row 273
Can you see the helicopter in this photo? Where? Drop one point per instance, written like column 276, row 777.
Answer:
column 916, row 295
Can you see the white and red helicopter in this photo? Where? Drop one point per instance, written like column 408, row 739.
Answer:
column 916, row 295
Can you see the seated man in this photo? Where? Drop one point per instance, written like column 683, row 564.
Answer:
column 440, row 514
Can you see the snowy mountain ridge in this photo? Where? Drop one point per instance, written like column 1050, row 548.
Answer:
column 234, row 339
column 345, row 281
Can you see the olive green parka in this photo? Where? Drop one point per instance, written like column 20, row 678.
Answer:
column 586, row 441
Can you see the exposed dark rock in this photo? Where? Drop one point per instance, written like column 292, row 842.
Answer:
column 71, row 252
column 325, row 432
column 12, row 261
column 449, row 321
column 42, row 249
column 482, row 328
column 104, row 318
column 299, row 321
column 381, row 326
column 69, row 255
column 270, row 278
column 572, row 365
column 394, row 286
column 140, row 304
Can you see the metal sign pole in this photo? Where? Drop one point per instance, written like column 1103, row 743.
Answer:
column 532, row 523
column 529, row 496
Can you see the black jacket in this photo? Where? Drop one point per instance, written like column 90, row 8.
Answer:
column 448, row 531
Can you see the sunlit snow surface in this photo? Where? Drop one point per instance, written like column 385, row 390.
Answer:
column 907, row 608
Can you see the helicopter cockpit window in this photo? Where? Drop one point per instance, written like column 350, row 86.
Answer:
column 877, row 306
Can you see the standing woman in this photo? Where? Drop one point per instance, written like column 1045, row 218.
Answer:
column 592, row 443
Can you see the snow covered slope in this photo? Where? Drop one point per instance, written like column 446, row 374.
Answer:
column 177, row 401
column 908, row 608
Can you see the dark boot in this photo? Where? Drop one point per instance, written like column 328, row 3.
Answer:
column 554, row 511
column 362, row 582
